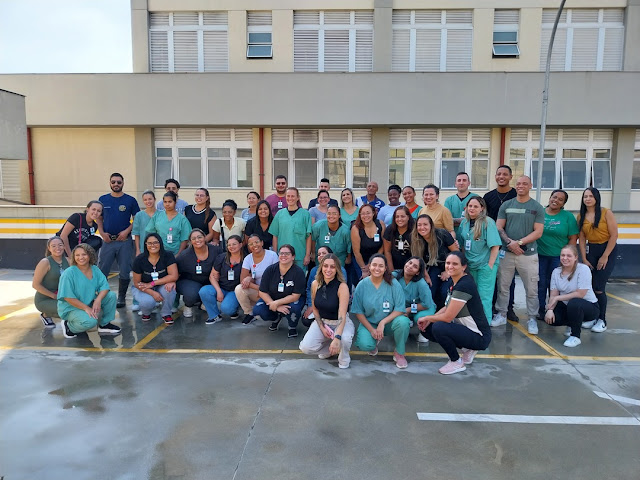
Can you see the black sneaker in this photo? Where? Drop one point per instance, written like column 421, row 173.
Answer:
column 274, row 325
column 146, row 318
column 248, row 318
column 168, row 319
column 234, row 316
column 66, row 331
column 109, row 329
column 211, row 321
column 47, row 321
column 293, row 333
column 511, row 315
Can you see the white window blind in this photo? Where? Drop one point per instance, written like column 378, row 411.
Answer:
column 506, row 24
column 635, row 177
column 333, row 41
column 11, row 179
column 259, row 35
column 432, row 40
column 586, row 39
column 188, row 42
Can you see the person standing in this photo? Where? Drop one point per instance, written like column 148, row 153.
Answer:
column 115, row 226
column 228, row 225
column 370, row 198
column 174, row 229
column 440, row 215
column 333, row 233
column 277, row 201
column 292, row 226
column 46, row 278
column 409, row 195
column 520, row 223
column 319, row 211
column 598, row 237
column 141, row 220
column 252, row 200
column 396, row 238
column 367, row 238
column 458, row 202
column 259, row 225
column 385, row 214
column 348, row 211
column 324, row 186
column 200, row 214
column 172, row 185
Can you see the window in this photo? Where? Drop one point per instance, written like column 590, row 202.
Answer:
column 432, row 40
column 259, row 41
column 306, row 156
column 505, row 33
column 635, row 177
column 421, row 156
column 188, row 42
column 210, row 157
column 573, row 158
column 586, row 39
column 332, row 41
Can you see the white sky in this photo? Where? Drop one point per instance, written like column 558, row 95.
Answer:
column 65, row 36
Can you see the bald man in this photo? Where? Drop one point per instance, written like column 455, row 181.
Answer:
column 370, row 198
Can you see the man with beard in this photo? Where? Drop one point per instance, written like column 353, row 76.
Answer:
column 115, row 227
column 277, row 201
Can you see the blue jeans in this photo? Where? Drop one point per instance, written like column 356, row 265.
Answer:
column 295, row 312
column 546, row 265
column 228, row 306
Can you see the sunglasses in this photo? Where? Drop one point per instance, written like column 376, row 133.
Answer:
column 116, row 182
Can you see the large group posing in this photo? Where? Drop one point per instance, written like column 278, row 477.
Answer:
column 445, row 270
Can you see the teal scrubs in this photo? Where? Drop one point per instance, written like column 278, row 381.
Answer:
column 140, row 222
column 478, row 253
column 293, row 230
column 179, row 227
column 346, row 218
column 370, row 302
column 416, row 292
column 456, row 207
column 339, row 241
column 74, row 284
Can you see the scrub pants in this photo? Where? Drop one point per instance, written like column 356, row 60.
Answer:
column 485, row 279
column 189, row 289
column 599, row 277
column 576, row 311
column 295, row 312
column 398, row 328
column 452, row 336
column 47, row 306
column 79, row 321
column 527, row 268
column 148, row 303
column 247, row 298
column 228, row 306
column 315, row 343
column 123, row 252
column 546, row 265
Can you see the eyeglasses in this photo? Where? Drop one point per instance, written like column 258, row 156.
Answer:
column 152, row 244
column 284, row 254
column 116, row 182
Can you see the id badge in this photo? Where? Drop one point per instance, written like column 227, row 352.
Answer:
column 93, row 230
column 281, row 287
column 169, row 238
column 376, row 237
column 154, row 276
column 414, row 308
column 230, row 275
column 502, row 254
column 279, row 204
column 327, row 238
column 253, row 272
column 198, row 269
column 586, row 249
column 386, row 307
column 467, row 245
column 400, row 245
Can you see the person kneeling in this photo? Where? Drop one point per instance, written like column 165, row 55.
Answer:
column 461, row 323
column 84, row 298
column 332, row 332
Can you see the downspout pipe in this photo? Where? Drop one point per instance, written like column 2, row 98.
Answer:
column 32, row 188
column 503, row 141
column 261, row 173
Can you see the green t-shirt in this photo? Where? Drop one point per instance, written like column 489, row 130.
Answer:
column 557, row 230
column 478, row 251
column 457, row 206
column 371, row 301
column 339, row 241
column 74, row 284
column 521, row 217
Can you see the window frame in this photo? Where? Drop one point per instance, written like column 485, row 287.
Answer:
column 259, row 29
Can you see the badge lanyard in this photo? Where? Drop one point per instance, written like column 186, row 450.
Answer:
column 170, row 235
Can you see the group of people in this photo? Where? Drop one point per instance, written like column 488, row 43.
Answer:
column 443, row 268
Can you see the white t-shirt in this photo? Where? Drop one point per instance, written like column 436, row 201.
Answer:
column 581, row 281
column 385, row 214
column 270, row 257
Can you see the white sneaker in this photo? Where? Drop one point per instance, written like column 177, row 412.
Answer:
column 599, row 327
column 421, row 339
column 324, row 356
column 498, row 320
column 202, row 307
column 567, row 332
column 589, row 324
column 532, row 326
column 187, row 312
column 572, row 342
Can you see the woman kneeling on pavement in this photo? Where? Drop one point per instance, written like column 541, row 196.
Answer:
column 307, row 314
column 378, row 304
column 84, row 298
column 461, row 323
column 154, row 275
column 282, row 292
column 572, row 300
column 332, row 332
column 46, row 278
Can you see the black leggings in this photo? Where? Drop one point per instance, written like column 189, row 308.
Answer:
column 599, row 278
column 576, row 311
column 452, row 336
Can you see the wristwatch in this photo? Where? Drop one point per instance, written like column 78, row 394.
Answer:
column 520, row 242
column 339, row 337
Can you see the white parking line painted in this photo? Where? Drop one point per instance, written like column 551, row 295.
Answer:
column 617, row 398
column 562, row 420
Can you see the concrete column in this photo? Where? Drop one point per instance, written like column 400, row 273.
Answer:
column 237, row 39
column 140, row 36
column 632, row 37
column 380, row 157
column 382, row 35
column 624, row 140
column 144, row 160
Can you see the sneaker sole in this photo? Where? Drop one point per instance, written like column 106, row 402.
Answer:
column 48, row 325
column 109, row 332
column 63, row 324
column 458, row 370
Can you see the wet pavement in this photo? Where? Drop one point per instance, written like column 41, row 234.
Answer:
column 228, row 401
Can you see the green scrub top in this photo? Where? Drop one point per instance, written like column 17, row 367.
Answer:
column 478, row 251
column 346, row 218
column 294, row 230
column 457, row 206
column 74, row 284
column 557, row 230
column 140, row 222
column 368, row 300
column 180, row 230
column 339, row 241
column 415, row 291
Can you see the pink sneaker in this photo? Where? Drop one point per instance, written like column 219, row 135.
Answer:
column 453, row 367
column 468, row 356
column 401, row 362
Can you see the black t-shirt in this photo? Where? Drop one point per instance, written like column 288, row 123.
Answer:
column 223, row 268
column 495, row 200
column 294, row 281
column 399, row 257
column 142, row 266
column 368, row 246
column 445, row 240
column 187, row 262
column 81, row 229
column 196, row 219
column 327, row 301
column 467, row 291
column 254, row 227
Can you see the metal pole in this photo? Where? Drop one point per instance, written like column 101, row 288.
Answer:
column 545, row 102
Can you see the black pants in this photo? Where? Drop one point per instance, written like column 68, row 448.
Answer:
column 599, row 278
column 190, row 291
column 576, row 311
column 452, row 336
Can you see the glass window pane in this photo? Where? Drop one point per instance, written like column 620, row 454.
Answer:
column 360, row 172
column 505, row 50
column 548, row 153
column 517, row 153
column 218, row 152
column 189, row 152
column 280, row 153
column 259, row 37
column 548, row 173
column 454, row 153
column 336, row 172
column 335, row 153
column 305, row 153
column 601, row 153
column 361, row 153
column 479, row 173
column 280, row 167
column 244, row 153
column 449, row 171
column 259, row 51
column 219, row 173
column 164, row 152
column 518, row 168
column 396, row 153
column 396, row 172
column 635, row 177
column 190, row 173
column 574, row 153
column 244, row 175
column 480, row 153
column 422, row 173
column 505, row 37
column 163, row 171
column 574, row 174
column 306, row 173
column 602, row 174
column 423, row 153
